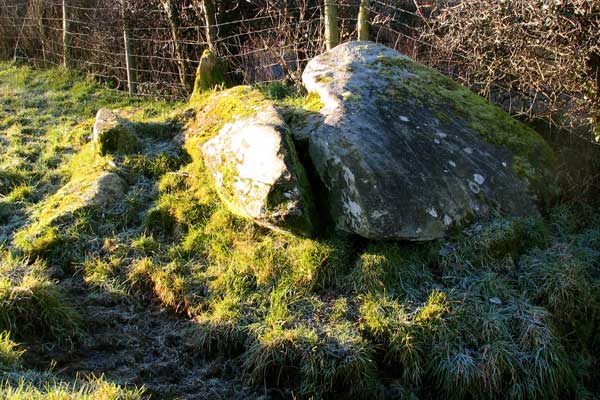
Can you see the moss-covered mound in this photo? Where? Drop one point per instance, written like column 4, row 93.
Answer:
column 508, row 308
column 91, row 188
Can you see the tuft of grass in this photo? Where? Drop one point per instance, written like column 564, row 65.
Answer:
column 564, row 279
column 221, row 330
column 90, row 389
column 10, row 352
column 31, row 306
column 339, row 362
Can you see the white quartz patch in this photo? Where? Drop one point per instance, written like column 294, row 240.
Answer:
column 479, row 179
column 431, row 211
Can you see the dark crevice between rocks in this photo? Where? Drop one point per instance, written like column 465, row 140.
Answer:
column 322, row 220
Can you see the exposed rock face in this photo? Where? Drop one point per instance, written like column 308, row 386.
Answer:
column 113, row 133
column 257, row 173
column 406, row 153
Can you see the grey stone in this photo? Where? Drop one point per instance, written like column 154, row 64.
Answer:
column 257, row 173
column 406, row 153
column 113, row 133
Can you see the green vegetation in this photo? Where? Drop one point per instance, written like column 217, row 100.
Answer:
column 91, row 389
column 508, row 308
column 32, row 305
column 10, row 354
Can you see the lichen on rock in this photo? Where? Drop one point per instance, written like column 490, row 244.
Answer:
column 245, row 144
column 407, row 153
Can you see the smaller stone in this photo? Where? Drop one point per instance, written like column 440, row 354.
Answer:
column 210, row 74
column 257, row 173
column 114, row 134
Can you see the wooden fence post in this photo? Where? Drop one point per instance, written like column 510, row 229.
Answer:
column 129, row 61
column 66, row 37
column 210, row 20
column 332, row 33
column 363, row 20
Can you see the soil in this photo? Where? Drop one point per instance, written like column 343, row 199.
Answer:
column 140, row 343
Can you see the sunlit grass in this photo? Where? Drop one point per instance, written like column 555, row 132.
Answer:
column 508, row 308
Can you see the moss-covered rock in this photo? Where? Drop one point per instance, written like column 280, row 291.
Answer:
column 114, row 134
column 407, row 153
column 210, row 74
column 91, row 188
column 254, row 164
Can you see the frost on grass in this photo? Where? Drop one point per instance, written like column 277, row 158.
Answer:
column 507, row 308
column 31, row 305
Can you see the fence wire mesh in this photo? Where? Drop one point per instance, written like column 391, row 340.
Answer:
column 259, row 41
column 262, row 42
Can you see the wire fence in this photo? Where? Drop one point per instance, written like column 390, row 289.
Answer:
column 156, row 45
column 270, row 41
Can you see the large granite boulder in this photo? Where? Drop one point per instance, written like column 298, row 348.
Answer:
column 257, row 173
column 404, row 152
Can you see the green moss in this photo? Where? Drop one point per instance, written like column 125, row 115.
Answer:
column 298, row 109
column 324, row 78
column 215, row 109
column 441, row 93
column 210, row 75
